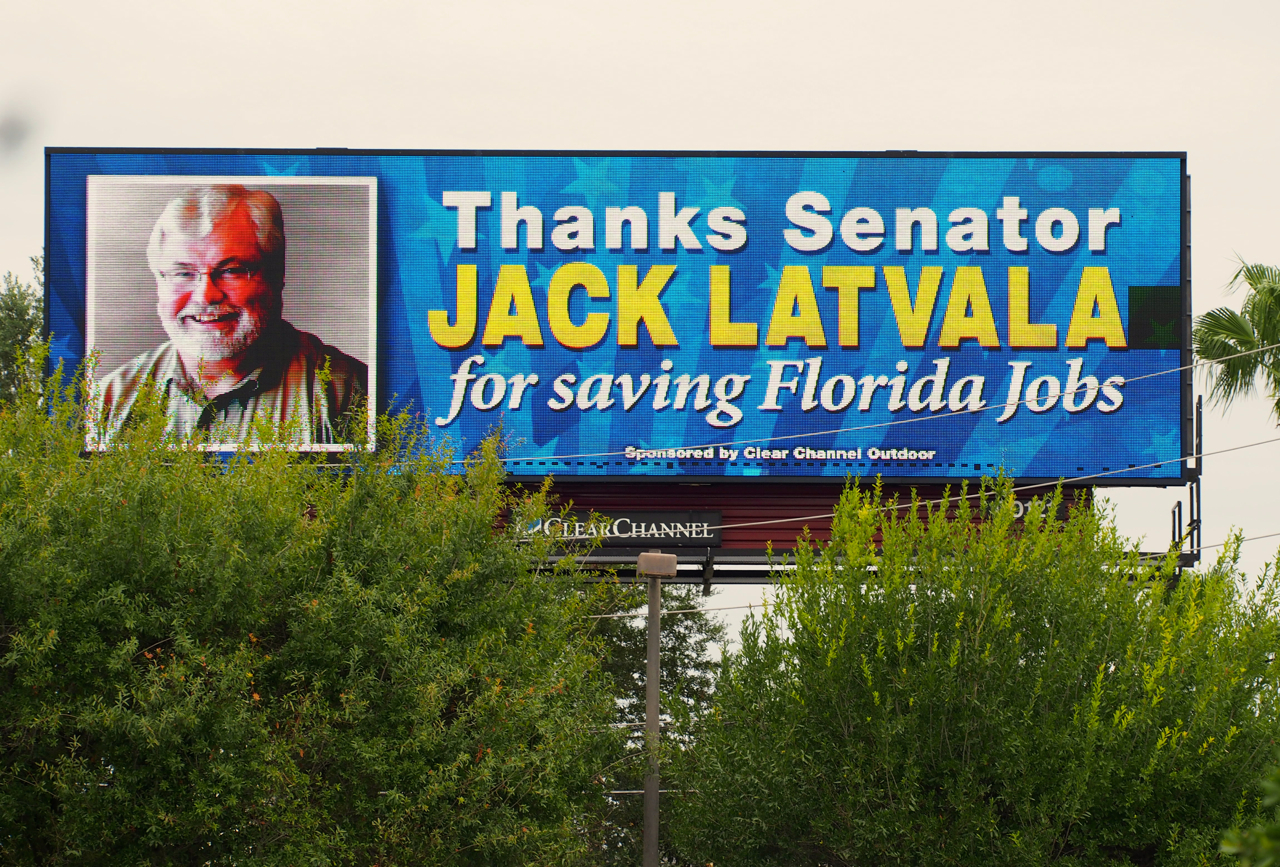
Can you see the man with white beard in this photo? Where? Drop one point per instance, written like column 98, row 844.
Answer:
column 232, row 367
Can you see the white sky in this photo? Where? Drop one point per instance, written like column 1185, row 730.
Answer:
column 693, row 75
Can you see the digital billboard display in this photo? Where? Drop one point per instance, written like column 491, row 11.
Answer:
column 718, row 316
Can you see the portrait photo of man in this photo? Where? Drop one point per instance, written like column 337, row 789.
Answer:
column 257, row 321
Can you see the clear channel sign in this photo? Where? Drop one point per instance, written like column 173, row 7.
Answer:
column 799, row 315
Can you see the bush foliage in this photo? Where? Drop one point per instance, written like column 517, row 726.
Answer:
column 1259, row 846
column 21, row 325
column 687, row 680
column 985, row 694
column 267, row 661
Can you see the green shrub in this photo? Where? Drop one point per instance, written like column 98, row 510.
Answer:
column 985, row 694
column 272, row 662
column 1259, row 846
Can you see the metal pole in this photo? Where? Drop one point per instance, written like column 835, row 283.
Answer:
column 651, row 722
column 653, row 564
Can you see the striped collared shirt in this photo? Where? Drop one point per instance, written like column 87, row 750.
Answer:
column 286, row 397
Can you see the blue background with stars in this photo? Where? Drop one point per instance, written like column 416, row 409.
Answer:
column 418, row 255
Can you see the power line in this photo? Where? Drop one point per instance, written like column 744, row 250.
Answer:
column 1016, row 489
column 681, row 611
column 1222, row 544
column 763, row 603
column 676, row 611
column 883, row 424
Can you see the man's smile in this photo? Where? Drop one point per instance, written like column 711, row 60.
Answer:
column 211, row 318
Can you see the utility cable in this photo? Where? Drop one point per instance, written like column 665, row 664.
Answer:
column 1016, row 489
column 1223, row 544
column 765, row 603
column 883, row 424
column 676, row 611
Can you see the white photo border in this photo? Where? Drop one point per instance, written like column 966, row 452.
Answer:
column 96, row 185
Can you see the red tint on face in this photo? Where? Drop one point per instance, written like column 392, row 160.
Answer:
column 212, row 324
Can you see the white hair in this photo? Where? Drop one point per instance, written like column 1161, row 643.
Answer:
column 195, row 212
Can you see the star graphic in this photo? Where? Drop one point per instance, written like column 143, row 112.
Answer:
column 285, row 172
column 678, row 290
column 593, row 182
column 772, row 278
column 1162, row 334
column 718, row 195
column 441, row 227
column 710, row 168
column 543, row 280
column 1166, row 445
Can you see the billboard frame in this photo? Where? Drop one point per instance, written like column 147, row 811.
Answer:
column 1186, row 384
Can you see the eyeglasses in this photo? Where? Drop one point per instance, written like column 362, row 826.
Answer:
column 228, row 277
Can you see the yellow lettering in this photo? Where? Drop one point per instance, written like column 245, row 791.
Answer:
column 968, row 290
column 849, row 279
column 913, row 319
column 512, row 289
column 463, row 331
column 724, row 331
column 637, row 303
column 1023, row 333
column 563, row 282
column 1095, row 290
column 795, row 311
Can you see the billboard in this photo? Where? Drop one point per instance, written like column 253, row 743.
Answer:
column 632, row 315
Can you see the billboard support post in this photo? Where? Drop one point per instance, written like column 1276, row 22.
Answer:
column 653, row 565
column 1197, row 524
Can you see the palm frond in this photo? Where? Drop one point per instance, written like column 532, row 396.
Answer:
column 1223, row 332
column 1262, row 309
column 1221, row 336
column 1255, row 277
